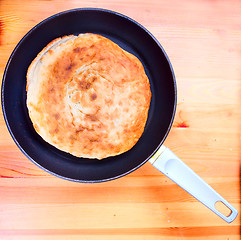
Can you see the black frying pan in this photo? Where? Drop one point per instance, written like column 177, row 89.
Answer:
column 129, row 35
column 134, row 38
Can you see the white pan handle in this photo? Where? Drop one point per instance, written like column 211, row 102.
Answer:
column 175, row 169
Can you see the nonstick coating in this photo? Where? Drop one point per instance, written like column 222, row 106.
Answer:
column 129, row 35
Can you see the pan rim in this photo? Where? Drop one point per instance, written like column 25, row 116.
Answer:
column 80, row 10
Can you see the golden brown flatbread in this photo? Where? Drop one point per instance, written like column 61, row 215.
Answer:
column 87, row 96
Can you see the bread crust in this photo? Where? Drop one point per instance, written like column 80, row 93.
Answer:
column 87, row 96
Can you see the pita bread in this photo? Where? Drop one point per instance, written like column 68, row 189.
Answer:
column 87, row 96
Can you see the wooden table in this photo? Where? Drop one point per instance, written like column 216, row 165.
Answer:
column 202, row 39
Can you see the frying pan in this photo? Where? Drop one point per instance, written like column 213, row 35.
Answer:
column 134, row 38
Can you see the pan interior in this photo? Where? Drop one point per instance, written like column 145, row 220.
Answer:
column 127, row 34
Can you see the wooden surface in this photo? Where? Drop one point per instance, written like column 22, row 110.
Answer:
column 203, row 41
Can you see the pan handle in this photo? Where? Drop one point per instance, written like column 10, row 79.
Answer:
column 175, row 169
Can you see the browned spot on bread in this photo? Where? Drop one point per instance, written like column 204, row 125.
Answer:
column 94, row 139
column 93, row 96
column 101, row 58
column 79, row 129
column 61, row 70
column 84, row 76
column 56, row 116
column 92, row 46
column 72, row 139
column 51, row 90
column 70, row 67
column 94, row 78
column 83, row 85
column 50, row 51
column 91, row 117
column 76, row 50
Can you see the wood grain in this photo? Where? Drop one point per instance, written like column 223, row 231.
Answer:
column 202, row 39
